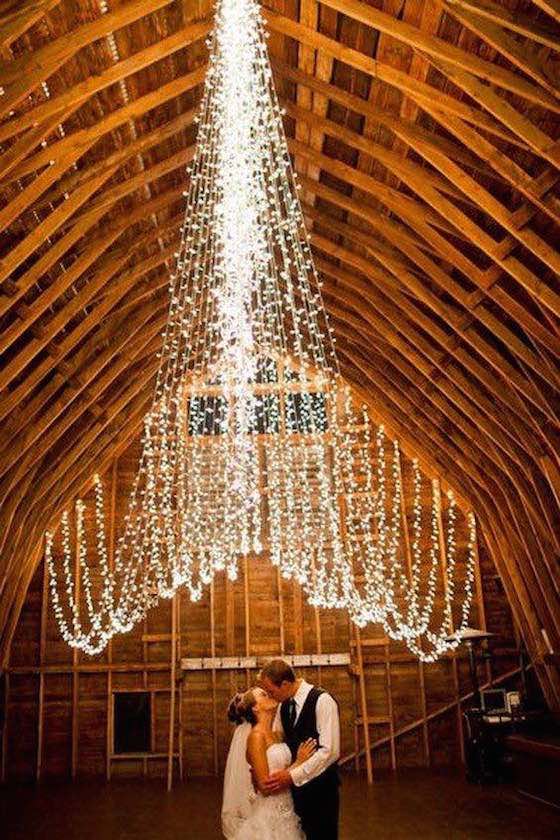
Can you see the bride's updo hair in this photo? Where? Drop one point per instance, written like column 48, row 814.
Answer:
column 242, row 708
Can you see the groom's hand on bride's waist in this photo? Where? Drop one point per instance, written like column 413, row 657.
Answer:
column 277, row 782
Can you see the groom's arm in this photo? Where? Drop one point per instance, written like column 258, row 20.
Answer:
column 328, row 751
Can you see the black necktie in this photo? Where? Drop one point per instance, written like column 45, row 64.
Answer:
column 292, row 712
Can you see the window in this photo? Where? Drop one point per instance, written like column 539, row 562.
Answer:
column 132, row 722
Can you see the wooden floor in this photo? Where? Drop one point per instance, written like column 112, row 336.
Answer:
column 414, row 806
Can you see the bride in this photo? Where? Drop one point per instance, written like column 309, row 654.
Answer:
column 255, row 752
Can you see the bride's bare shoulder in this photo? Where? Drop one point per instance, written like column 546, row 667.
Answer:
column 256, row 738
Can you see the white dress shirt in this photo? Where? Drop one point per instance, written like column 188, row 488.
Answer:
column 328, row 727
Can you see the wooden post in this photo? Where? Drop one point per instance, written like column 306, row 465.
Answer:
column 213, row 674
column 180, row 693
column 355, row 703
column 247, row 613
column 5, row 727
column 145, row 687
column 281, row 612
column 480, row 604
column 319, row 640
column 75, row 663
column 363, row 705
column 171, row 739
column 42, row 646
column 111, row 558
column 386, row 649
column 451, row 627
column 421, row 675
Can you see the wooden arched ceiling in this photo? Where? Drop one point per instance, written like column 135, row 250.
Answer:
column 425, row 136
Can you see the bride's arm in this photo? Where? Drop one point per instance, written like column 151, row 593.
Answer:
column 305, row 751
column 256, row 756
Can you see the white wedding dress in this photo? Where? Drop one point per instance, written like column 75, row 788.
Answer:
column 273, row 817
column 266, row 817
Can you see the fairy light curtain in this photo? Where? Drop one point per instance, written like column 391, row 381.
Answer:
column 252, row 442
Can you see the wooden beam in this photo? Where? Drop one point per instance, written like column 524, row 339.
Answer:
column 385, row 73
column 430, row 190
column 517, row 21
column 520, row 55
column 45, row 229
column 540, row 142
column 81, row 92
column 488, row 71
column 50, row 57
column 551, row 7
column 16, row 22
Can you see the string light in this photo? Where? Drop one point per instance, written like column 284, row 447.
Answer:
column 252, row 442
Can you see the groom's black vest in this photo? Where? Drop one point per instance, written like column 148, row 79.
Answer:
column 305, row 727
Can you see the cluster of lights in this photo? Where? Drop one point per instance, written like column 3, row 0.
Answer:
column 252, row 442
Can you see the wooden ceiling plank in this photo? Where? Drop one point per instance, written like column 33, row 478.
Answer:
column 77, row 303
column 16, row 395
column 453, row 405
column 520, row 55
column 551, row 7
column 375, row 245
column 45, row 435
column 375, row 150
column 404, row 317
column 86, row 223
column 144, row 143
column 29, row 194
column 448, row 285
column 11, row 160
column 113, row 120
column 381, row 117
column 475, row 464
column 25, row 73
column 397, row 79
column 55, row 469
column 534, row 189
column 53, row 54
column 308, row 16
column 414, row 250
column 46, row 228
column 392, row 396
column 406, row 207
column 81, row 92
column 71, row 376
column 387, row 307
column 506, row 372
column 516, row 21
column 413, row 213
column 541, row 143
column 440, row 49
column 426, row 186
column 112, row 195
column 95, row 249
column 16, row 23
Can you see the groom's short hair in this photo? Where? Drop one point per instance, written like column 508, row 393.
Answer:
column 278, row 671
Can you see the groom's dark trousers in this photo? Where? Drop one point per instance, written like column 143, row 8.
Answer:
column 317, row 802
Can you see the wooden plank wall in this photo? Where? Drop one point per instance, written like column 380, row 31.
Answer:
column 57, row 704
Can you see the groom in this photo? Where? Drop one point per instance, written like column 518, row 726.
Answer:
column 306, row 712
